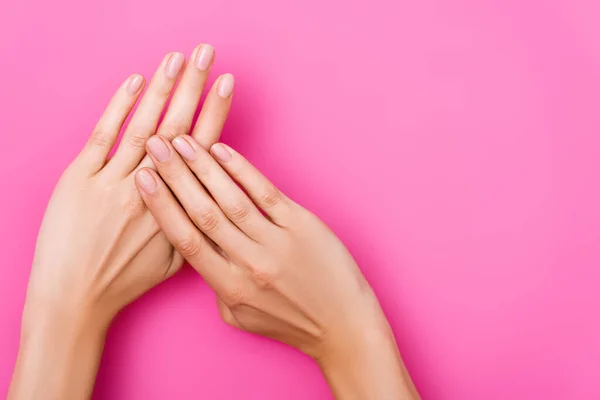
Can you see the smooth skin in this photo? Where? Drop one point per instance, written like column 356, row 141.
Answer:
column 99, row 248
column 280, row 273
column 105, row 242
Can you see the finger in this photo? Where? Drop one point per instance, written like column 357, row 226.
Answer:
column 181, row 232
column 214, row 112
column 145, row 120
column 234, row 203
column 108, row 127
column 198, row 204
column 179, row 117
column 264, row 194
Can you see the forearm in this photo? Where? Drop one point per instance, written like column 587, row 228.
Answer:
column 58, row 358
column 368, row 366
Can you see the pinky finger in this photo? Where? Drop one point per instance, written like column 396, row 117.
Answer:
column 262, row 192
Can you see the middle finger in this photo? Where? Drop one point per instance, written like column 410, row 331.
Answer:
column 179, row 116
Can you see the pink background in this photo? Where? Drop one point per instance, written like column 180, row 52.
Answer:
column 452, row 144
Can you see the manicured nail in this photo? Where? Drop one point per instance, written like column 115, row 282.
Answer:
column 220, row 151
column 146, row 181
column 174, row 65
column 184, row 148
column 204, row 57
column 225, row 86
column 134, row 83
column 157, row 147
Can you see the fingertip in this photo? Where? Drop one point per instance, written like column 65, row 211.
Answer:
column 186, row 146
column 225, row 86
column 146, row 181
column 221, row 152
column 159, row 148
column 205, row 54
column 174, row 65
column 133, row 84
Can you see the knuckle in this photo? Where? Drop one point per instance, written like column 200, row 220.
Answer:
column 137, row 141
column 135, row 206
column 101, row 138
column 264, row 276
column 188, row 247
column 234, row 296
column 206, row 220
column 170, row 130
column 270, row 197
column 238, row 212
column 263, row 279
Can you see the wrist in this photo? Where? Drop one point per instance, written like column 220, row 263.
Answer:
column 61, row 323
column 51, row 305
column 365, row 363
column 354, row 343
column 58, row 356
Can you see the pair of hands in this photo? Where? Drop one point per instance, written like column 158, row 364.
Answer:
column 117, row 227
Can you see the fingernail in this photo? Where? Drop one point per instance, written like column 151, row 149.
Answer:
column 184, row 148
column 146, row 181
column 225, row 86
column 221, row 152
column 134, row 83
column 158, row 149
column 174, row 65
column 204, row 57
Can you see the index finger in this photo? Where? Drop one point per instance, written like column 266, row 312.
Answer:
column 181, row 231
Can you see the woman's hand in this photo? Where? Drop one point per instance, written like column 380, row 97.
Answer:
column 282, row 274
column 99, row 248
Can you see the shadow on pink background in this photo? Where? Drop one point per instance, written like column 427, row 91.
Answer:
column 452, row 144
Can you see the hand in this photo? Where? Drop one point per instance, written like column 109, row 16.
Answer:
column 99, row 248
column 283, row 275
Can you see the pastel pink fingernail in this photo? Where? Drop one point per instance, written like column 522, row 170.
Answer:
column 158, row 148
column 225, row 86
column 174, row 65
column 134, row 83
column 184, row 148
column 220, row 152
column 204, row 57
column 146, row 181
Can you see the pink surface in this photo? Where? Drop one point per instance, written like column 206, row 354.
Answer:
column 452, row 144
